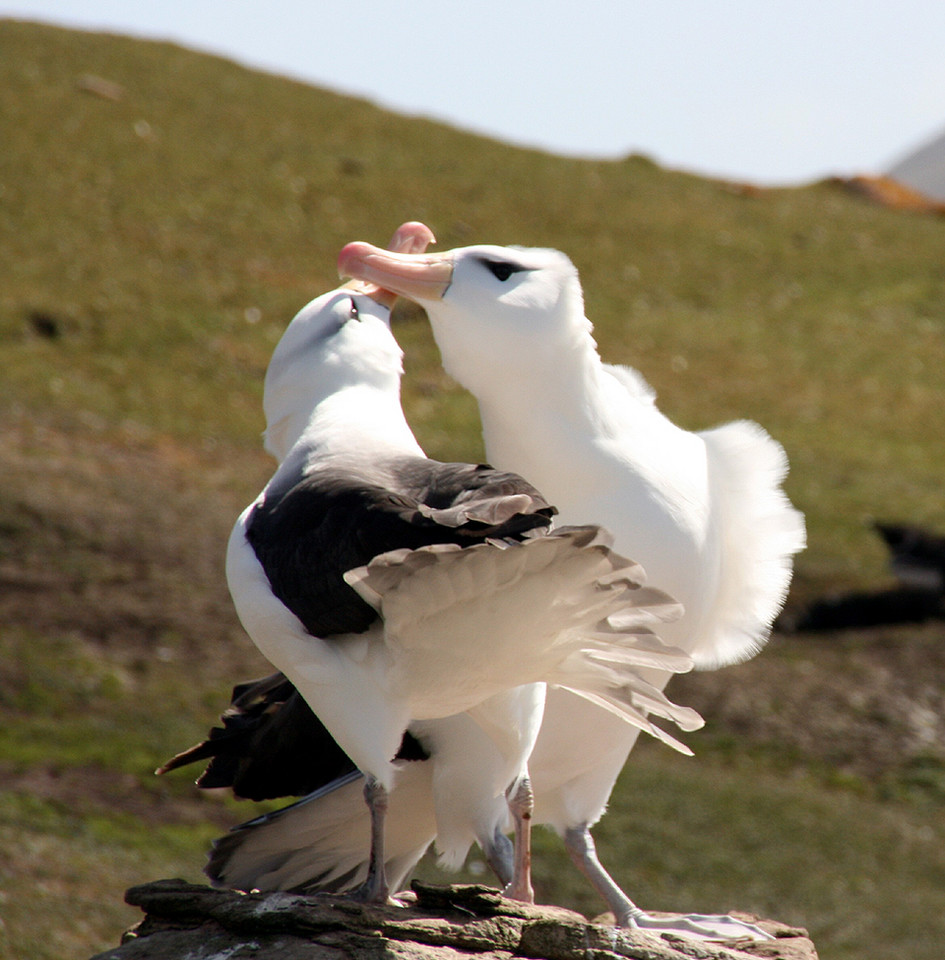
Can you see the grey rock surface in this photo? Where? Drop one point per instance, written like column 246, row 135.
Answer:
column 461, row 922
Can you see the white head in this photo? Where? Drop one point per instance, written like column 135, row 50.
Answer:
column 489, row 306
column 341, row 339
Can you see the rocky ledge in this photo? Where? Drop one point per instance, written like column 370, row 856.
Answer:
column 461, row 922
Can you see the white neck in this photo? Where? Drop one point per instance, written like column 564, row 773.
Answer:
column 353, row 421
column 565, row 396
column 559, row 370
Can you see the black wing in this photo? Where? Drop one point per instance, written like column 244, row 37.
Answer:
column 307, row 536
column 271, row 745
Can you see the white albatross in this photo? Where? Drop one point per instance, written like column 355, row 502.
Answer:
column 704, row 512
column 272, row 745
column 394, row 591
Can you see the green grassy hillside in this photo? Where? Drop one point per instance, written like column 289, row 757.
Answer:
column 157, row 238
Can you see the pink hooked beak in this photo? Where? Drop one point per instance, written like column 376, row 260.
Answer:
column 410, row 239
column 412, row 274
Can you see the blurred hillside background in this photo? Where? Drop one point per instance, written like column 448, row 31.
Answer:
column 163, row 214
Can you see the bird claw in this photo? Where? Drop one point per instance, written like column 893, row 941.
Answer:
column 368, row 893
column 697, row 926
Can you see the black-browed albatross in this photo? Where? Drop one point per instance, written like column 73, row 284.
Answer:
column 393, row 590
column 704, row 512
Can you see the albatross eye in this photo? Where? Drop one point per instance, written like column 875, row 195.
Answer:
column 502, row 269
column 353, row 314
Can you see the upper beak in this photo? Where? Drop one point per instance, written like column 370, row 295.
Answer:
column 417, row 276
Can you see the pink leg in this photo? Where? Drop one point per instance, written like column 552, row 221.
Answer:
column 521, row 805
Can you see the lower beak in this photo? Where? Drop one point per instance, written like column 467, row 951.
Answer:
column 421, row 277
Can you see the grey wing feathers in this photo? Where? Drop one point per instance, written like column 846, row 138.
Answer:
column 321, row 843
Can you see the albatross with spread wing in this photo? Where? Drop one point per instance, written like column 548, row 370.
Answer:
column 394, row 591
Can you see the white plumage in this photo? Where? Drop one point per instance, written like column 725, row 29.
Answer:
column 704, row 512
column 394, row 591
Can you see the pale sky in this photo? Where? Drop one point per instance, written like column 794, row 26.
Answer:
column 775, row 93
